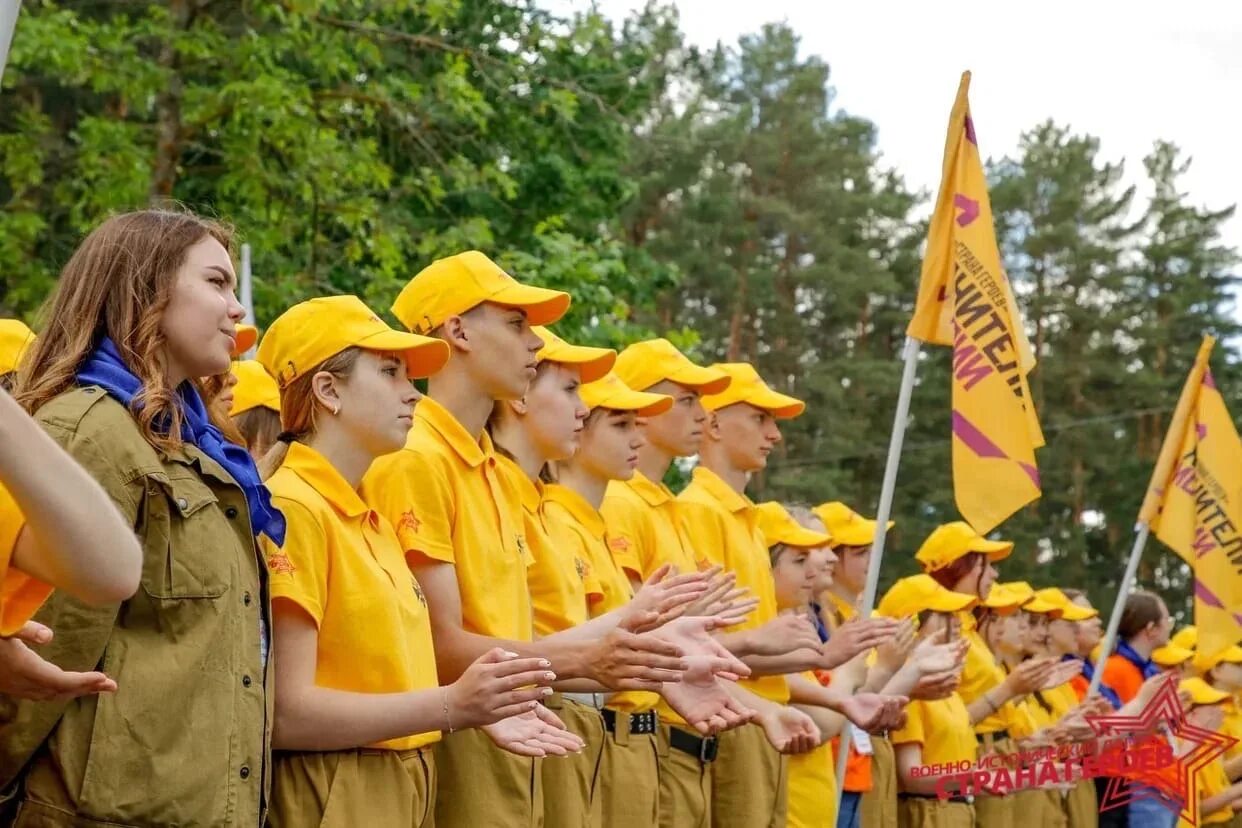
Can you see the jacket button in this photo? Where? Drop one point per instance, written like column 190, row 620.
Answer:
column 245, row 773
column 182, row 502
column 246, row 599
column 245, row 681
column 230, row 512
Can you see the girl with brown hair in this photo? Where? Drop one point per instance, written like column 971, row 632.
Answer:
column 144, row 307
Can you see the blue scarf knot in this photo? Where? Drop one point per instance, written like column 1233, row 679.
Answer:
column 105, row 368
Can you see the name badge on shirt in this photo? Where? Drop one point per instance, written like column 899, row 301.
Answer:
column 862, row 741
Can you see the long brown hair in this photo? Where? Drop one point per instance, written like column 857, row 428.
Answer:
column 117, row 284
column 299, row 408
column 949, row 575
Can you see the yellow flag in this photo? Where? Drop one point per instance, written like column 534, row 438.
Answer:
column 965, row 302
column 1194, row 504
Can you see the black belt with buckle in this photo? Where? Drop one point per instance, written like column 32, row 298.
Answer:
column 995, row 735
column 640, row 723
column 703, row 749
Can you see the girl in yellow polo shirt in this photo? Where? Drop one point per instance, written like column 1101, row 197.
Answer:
column 936, row 733
column 357, row 701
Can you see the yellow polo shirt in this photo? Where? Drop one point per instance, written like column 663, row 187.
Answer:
column 725, row 526
column 561, row 582
column 812, row 785
column 1231, row 725
column 980, row 674
column 942, row 727
column 342, row 563
column 1210, row 781
column 576, row 523
column 644, row 528
column 20, row 595
column 445, row 495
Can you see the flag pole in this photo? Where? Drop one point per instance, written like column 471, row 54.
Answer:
column 9, row 10
column 1123, row 591
column 901, row 419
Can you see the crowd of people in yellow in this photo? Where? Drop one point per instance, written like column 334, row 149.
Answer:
column 295, row 591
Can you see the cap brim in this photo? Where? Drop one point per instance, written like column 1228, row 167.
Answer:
column 1073, row 612
column 247, row 335
column 423, row 355
column 860, row 533
column 995, row 550
column 542, row 306
column 640, row 402
column 592, row 363
column 779, row 405
column 1043, row 607
column 703, row 380
column 800, row 536
column 1171, row 655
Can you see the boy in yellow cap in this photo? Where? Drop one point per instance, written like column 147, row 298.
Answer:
column 1217, row 799
column 936, row 732
column 748, row 778
column 461, row 524
column 646, row 532
column 1223, row 672
column 355, row 746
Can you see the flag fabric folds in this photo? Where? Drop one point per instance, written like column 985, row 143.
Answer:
column 965, row 302
column 1194, row 504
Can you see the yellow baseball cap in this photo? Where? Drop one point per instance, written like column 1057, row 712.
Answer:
column 1006, row 599
column 592, row 363
column 1187, row 637
column 778, row 526
column 1201, row 692
column 955, row 540
column 1206, row 661
column 643, row 364
column 917, row 593
column 15, row 339
column 244, row 339
column 1037, row 604
column 1171, row 655
column 312, row 331
column 1069, row 610
column 451, row 286
column 847, row 527
column 611, row 392
column 255, row 388
column 748, row 387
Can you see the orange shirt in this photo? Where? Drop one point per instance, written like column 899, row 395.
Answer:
column 1121, row 675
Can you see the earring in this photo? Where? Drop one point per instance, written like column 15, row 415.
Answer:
column 336, row 409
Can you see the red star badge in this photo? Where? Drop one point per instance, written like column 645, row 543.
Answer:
column 1173, row 787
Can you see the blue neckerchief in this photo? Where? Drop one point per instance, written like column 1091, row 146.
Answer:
column 1145, row 665
column 105, row 368
column 1088, row 672
column 820, row 626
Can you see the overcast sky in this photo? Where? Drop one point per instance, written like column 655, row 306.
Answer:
column 1128, row 73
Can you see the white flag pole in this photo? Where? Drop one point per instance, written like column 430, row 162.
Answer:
column 900, row 420
column 247, row 289
column 8, row 22
column 1123, row 591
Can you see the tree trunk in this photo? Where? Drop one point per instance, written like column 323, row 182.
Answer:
column 168, row 108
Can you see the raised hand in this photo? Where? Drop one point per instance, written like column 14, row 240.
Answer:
column 856, row 636
column 496, row 686
column 664, row 596
column 1061, row 672
column 724, row 598
column 784, row 634
column 537, row 732
column 1030, row 676
column 788, row 729
column 624, row 660
column 25, row 675
column 702, row 700
column 892, row 654
column 693, row 637
column 872, row 711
